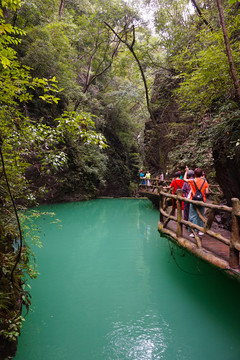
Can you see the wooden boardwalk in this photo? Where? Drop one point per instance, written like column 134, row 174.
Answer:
column 219, row 247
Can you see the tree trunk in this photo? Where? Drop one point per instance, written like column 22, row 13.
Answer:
column 228, row 49
column 60, row 11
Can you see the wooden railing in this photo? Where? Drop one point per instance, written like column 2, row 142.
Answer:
column 233, row 242
column 155, row 183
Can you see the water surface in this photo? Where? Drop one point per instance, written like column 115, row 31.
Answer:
column 110, row 288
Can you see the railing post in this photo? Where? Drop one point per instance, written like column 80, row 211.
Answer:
column 161, row 203
column 210, row 219
column 233, row 252
column 179, row 214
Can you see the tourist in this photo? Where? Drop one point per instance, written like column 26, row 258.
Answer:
column 186, row 190
column 142, row 180
column 198, row 183
column 176, row 184
column 148, row 177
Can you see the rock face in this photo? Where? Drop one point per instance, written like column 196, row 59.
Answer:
column 172, row 128
column 227, row 171
column 118, row 173
column 159, row 138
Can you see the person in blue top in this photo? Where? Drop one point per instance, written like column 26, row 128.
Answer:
column 142, row 180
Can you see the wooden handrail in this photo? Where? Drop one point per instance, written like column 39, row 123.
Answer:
column 233, row 242
column 156, row 182
column 200, row 228
column 200, row 203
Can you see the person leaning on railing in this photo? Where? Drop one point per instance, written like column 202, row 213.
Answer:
column 198, row 183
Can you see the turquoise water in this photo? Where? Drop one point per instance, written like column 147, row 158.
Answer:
column 110, row 288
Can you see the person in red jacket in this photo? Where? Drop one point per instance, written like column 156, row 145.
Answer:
column 176, row 184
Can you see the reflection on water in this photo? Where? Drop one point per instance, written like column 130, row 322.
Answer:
column 110, row 288
column 146, row 339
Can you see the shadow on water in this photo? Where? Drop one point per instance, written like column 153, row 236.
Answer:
column 209, row 288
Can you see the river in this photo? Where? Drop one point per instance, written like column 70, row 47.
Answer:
column 110, row 288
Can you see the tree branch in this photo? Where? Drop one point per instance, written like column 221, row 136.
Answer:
column 60, row 10
column 130, row 47
column 201, row 15
column 134, row 38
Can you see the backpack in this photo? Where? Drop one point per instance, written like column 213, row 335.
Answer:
column 178, row 187
column 198, row 194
